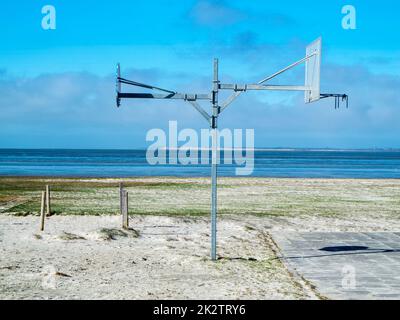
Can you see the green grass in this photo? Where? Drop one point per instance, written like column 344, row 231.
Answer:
column 191, row 197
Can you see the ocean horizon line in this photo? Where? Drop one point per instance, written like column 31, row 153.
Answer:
column 345, row 163
column 270, row 149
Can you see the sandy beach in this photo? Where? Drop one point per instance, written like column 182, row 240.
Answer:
column 84, row 254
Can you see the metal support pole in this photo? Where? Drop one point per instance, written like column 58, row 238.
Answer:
column 214, row 161
column 213, row 118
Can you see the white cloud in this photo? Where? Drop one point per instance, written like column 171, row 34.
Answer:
column 215, row 13
column 78, row 110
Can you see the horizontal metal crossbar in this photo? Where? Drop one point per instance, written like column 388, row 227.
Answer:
column 181, row 96
column 245, row 87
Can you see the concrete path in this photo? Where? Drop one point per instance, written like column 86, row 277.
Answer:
column 345, row 265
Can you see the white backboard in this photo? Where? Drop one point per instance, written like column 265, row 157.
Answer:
column 313, row 71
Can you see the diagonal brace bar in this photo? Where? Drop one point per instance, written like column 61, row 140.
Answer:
column 230, row 99
column 236, row 94
column 143, row 85
column 287, row 68
column 200, row 110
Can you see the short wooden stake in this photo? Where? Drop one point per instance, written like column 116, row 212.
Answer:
column 48, row 207
column 120, row 198
column 125, row 216
column 42, row 215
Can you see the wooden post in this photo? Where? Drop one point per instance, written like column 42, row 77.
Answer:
column 125, row 216
column 126, row 210
column 48, row 207
column 123, row 206
column 42, row 215
column 120, row 198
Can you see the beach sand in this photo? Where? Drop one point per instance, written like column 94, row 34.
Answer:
column 82, row 254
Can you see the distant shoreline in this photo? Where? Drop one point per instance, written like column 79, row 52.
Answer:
column 268, row 163
column 278, row 149
column 182, row 178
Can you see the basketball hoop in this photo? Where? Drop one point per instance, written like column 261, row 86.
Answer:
column 311, row 89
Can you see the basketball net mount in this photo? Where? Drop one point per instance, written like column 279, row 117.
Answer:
column 311, row 89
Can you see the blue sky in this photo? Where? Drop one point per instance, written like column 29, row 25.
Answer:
column 57, row 86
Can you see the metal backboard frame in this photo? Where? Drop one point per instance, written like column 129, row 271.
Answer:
column 313, row 71
column 311, row 89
